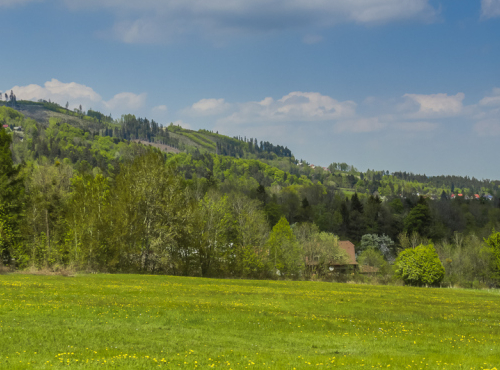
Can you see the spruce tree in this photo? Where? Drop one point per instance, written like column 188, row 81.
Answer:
column 11, row 190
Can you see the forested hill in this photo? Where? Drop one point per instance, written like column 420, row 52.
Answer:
column 83, row 189
column 129, row 127
column 100, row 152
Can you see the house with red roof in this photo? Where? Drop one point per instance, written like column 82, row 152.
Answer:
column 348, row 247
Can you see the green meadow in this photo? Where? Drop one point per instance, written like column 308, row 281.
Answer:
column 141, row 322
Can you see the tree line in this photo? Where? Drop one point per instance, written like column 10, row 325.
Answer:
column 98, row 203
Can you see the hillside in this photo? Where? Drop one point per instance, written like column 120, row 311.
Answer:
column 175, row 139
column 78, row 183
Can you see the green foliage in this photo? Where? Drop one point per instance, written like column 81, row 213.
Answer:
column 419, row 219
column 467, row 261
column 374, row 258
column 214, row 223
column 320, row 249
column 151, row 217
column 383, row 244
column 7, row 237
column 198, row 139
column 493, row 242
column 11, row 193
column 420, row 266
column 284, row 251
column 88, row 196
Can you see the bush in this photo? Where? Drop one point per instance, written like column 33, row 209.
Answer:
column 420, row 266
column 374, row 258
column 493, row 242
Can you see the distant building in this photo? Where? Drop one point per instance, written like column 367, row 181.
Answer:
column 348, row 247
column 350, row 250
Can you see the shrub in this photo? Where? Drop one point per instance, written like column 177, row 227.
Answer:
column 420, row 266
column 493, row 242
column 374, row 258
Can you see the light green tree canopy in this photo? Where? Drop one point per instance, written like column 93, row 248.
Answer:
column 420, row 266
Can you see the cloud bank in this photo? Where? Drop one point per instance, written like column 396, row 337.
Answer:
column 412, row 114
column 76, row 94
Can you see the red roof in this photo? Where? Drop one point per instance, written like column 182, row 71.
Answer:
column 345, row 245
column 349, row 248
column 5, row 126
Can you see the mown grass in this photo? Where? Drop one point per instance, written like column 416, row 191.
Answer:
column 199, row 139
column 140, row 322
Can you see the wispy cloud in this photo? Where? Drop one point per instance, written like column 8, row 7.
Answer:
column 492, row 100
column 412, row 114
column 296, row 106
column 159, row 21
column 126, row 101
column 436, row 105
column 11, row 3
column 207, row 107
column 490, row 8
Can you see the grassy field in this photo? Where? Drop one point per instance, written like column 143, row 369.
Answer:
column 141, row 322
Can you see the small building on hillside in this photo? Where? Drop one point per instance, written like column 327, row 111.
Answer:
column 351, row 265
column 348, row 247
column 350, row 250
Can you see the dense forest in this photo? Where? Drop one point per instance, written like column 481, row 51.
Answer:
column 85, row 191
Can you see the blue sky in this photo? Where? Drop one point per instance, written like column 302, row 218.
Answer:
column 410, row 85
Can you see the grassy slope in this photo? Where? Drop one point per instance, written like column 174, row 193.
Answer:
column 131, row 321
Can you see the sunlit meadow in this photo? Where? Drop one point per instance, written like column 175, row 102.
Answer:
column 140, row 322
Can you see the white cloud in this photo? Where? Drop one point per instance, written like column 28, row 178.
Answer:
column 208, row 107
column 295, row 107
column 156, row 21
column 59, row 92
column 126, row 102
column 490, row 8
column 493, row 100
column 413, row 114
column 436, row 105
column 161, row 108
column 76, row 94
